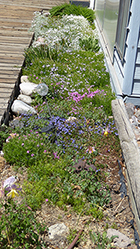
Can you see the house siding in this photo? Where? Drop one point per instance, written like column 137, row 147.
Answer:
column 136, row 81
column 125, row 64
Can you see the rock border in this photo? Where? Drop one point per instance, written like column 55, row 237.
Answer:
column 131, row 154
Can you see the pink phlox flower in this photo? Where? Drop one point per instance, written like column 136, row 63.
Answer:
column 29, row 208
column 55, row 155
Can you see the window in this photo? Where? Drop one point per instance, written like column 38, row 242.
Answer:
column 123, row 18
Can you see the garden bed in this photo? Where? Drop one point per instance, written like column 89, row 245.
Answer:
column 67, row 173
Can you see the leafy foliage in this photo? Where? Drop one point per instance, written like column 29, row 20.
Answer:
column 18, row 226
column 102, row 241
column 4, row 133
column 68, row 9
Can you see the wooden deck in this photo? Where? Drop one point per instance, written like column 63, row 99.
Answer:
column 15, row 19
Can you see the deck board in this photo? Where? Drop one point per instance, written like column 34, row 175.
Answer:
column 15, row 20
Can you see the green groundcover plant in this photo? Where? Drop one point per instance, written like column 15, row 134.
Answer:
column 18, row 225
column 68, row 9
column 60, row 151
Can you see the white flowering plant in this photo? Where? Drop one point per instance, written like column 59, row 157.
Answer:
column 62, row 33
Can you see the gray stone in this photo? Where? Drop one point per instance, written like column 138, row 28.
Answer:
column 20, row 107
column 130, row 108
column 56, row 230
column 120, row 241
column 16, row 123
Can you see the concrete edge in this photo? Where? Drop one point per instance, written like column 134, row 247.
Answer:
column 131, row 155
column 133, row 204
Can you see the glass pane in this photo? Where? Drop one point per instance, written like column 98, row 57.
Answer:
column 122, row 24
column 110, row 23
column 99, row 7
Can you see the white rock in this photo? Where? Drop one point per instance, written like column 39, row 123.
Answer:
column 71, row 120
column 25, row 98
column 27, row 88
column 24, row 78
column 57, row 229
column 1, row 153
column 121, row 240
column 20, row 107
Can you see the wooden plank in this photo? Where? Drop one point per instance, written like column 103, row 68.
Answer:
column 7, row 34
column 4, row 100
column 5, row 90
column 6, row 67
column 14, row 40
column 14, row 54
column 3, row 76
column 7, row 80
column 6, row 95
column 9, row 72
column 7, row 85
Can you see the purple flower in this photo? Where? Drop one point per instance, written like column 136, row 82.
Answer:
column 45, row 151
column 32, row 154
column 46, row 200
column 22, row 144
column 28, row 151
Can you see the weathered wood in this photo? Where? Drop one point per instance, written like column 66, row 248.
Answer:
column 130, row 149
column 14, row 40
column 4, row 101
column 7, row 85
column 14, row 33
column 15, row 20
